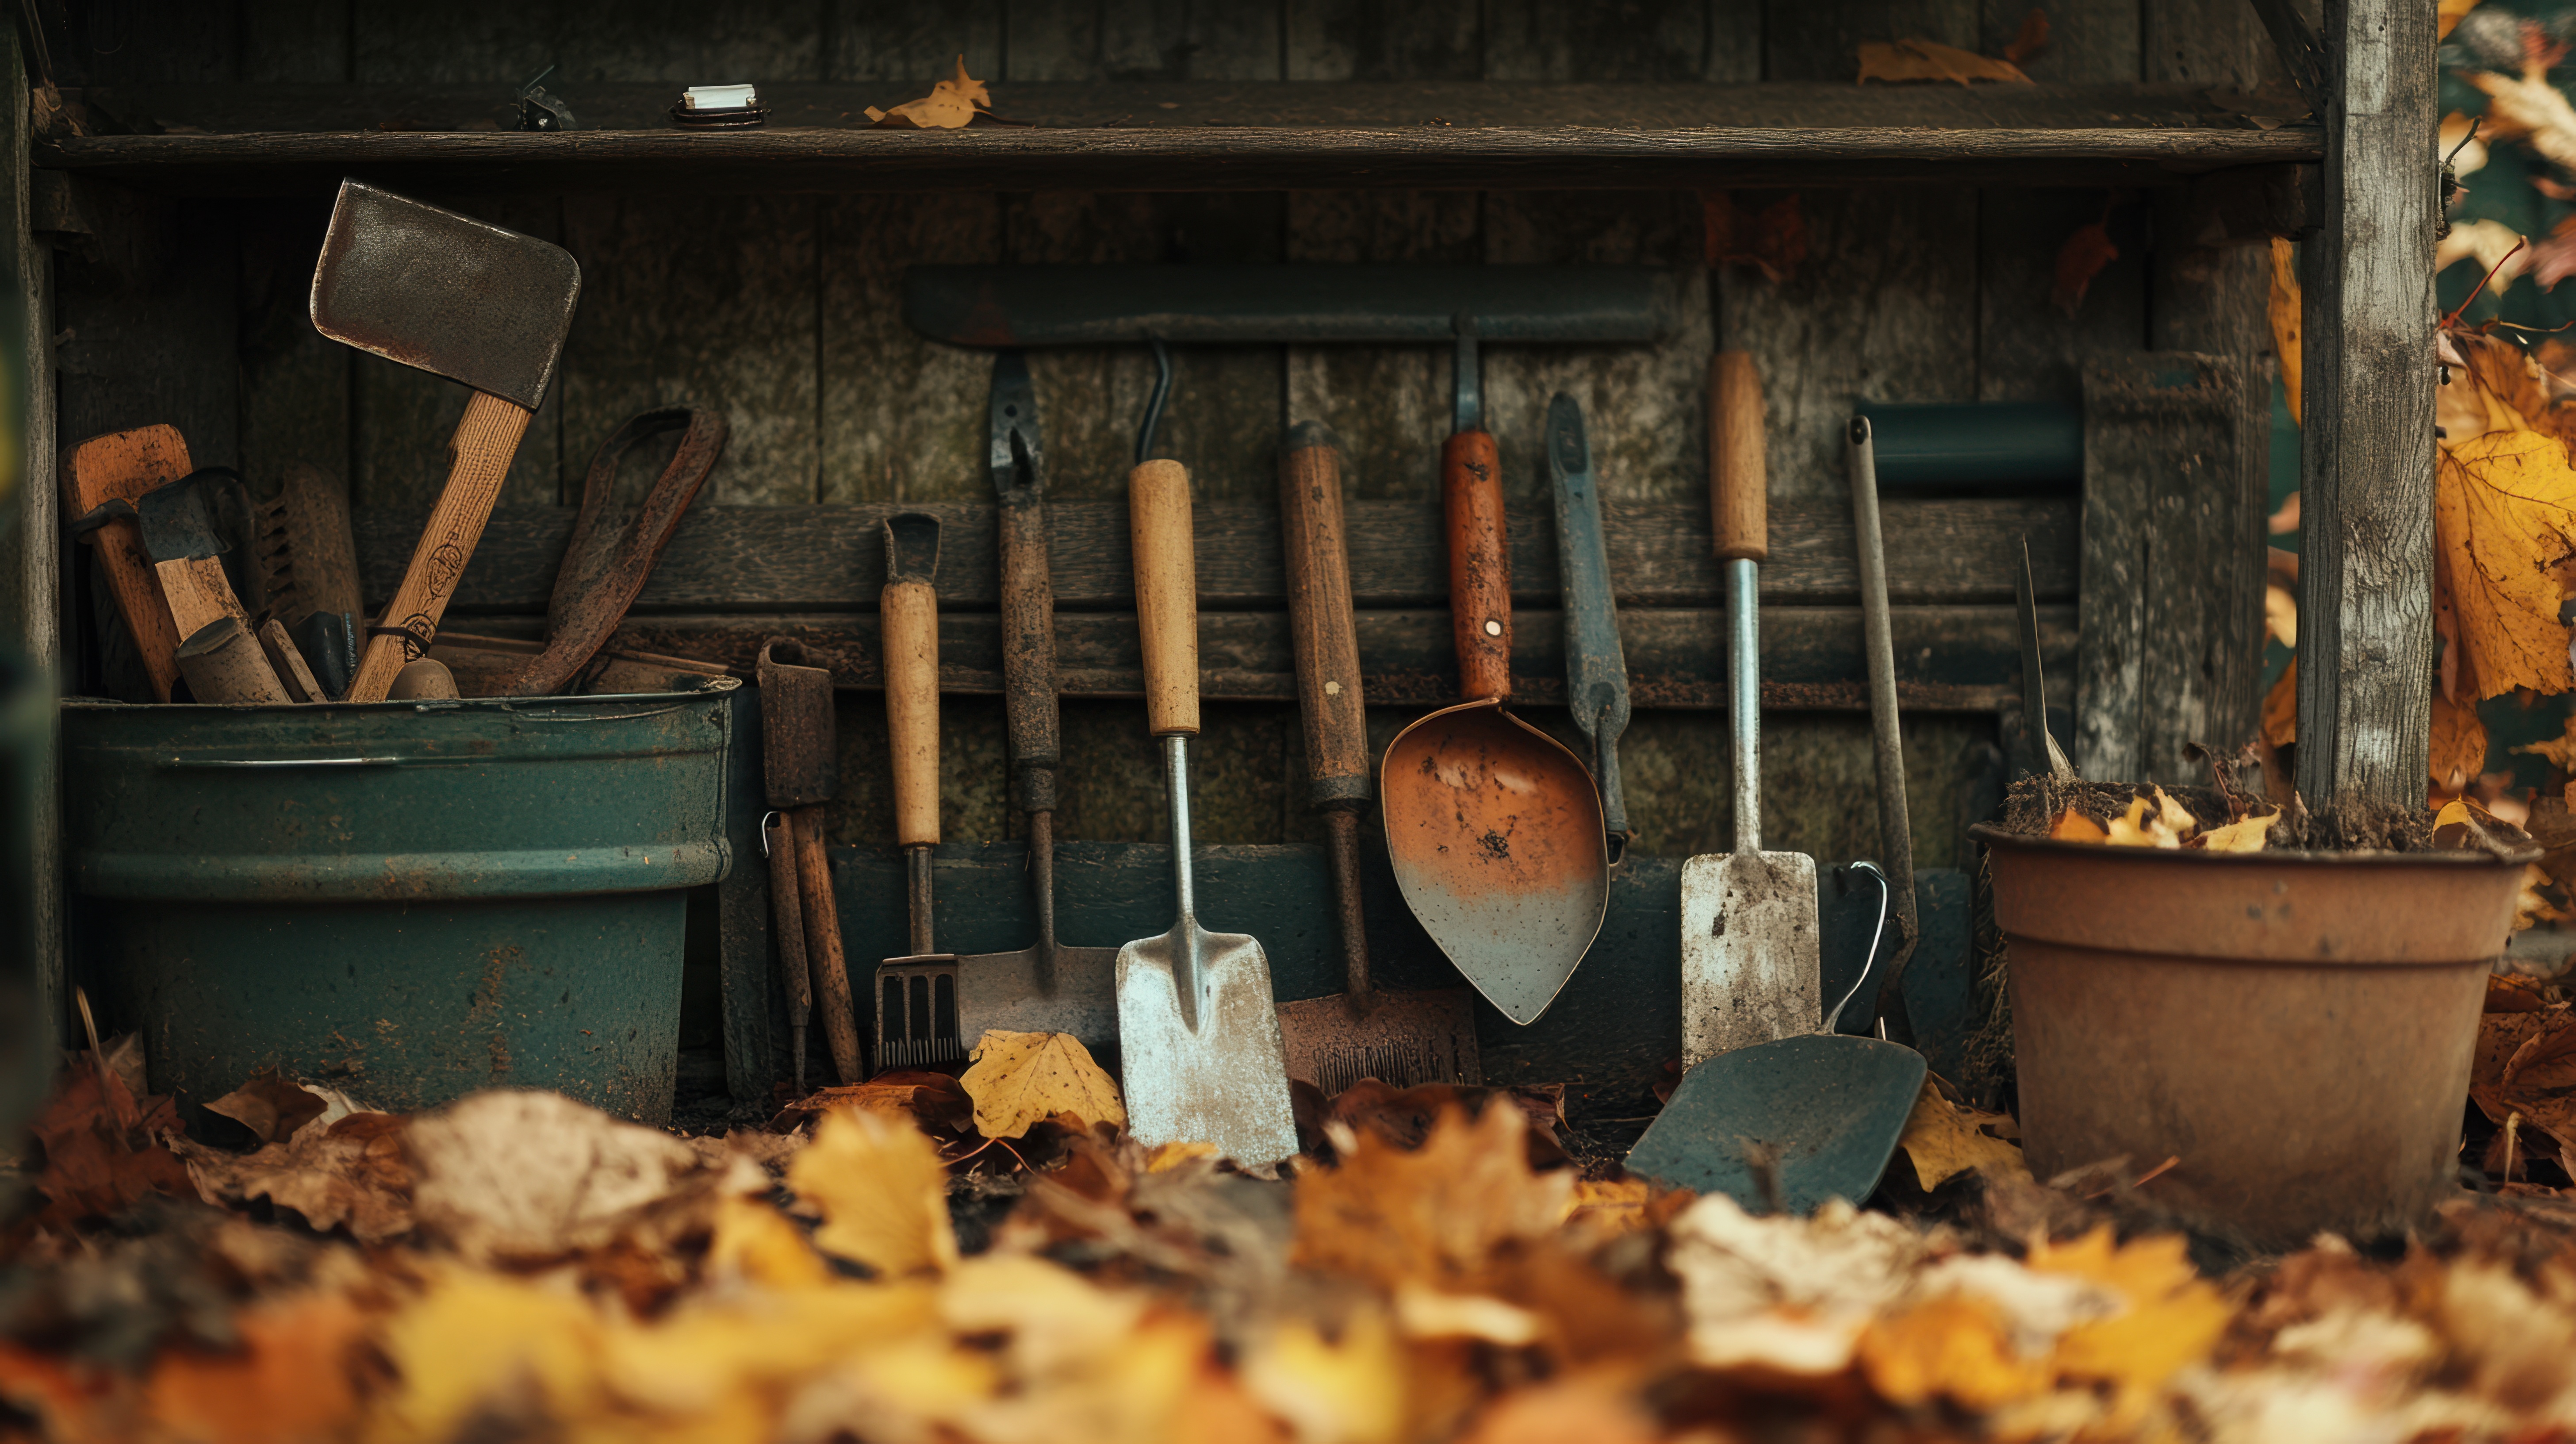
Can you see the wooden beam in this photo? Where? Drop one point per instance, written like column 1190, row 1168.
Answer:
column 2366, row 572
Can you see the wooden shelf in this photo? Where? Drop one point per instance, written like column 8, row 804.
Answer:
column 215, row 140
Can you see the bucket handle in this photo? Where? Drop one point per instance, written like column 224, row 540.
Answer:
column 519, row 714
column 1886, row 893
column 307, row 761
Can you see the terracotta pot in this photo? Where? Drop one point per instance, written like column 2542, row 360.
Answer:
column 2296, row 1028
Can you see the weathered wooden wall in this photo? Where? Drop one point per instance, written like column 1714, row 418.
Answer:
column 781, row 311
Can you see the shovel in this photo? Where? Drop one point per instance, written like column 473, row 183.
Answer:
column 1045, row 987
column 1401, row 1039
column 1198, row 1031
column 1493, row 827
column 452, row 296
column 1750, row 971
column 1783, row 1126
column 916, row 993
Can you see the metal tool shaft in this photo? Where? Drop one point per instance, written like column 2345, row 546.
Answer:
column 916, row 867
column 1744, row 697
column 1176, row 772
column 1895, row 826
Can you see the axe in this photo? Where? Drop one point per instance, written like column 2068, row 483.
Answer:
column 452, row 296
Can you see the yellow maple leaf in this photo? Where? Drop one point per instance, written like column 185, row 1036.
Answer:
column 2459, row 744
column 1953, row 1346
column 1349, row 1388
column 1390, row 1214
column 755, row 1241
column 2173, row 1319
column 1915, row 58
column 883, row 1193
column 490, row 1350
column 950, row 105
column 2504, row 520
column 1022, row 1079
column 1945, row 1140
column 2283, row 309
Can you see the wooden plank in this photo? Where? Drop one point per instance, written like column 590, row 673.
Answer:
column 760, row 558
column 1952, row 659
column 33, row 597
column 1216, row 158
column 753, row 1013
column 1351, row 40
column 2209, row 291
column 503, row 43
column 294, row 381
column 2176, row 452
column 1627, row 41
column 913, row 41
column 902, row 416
column 303, row 41
column 2366, row 563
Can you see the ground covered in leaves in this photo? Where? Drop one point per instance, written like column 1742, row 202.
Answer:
column 988, row 1257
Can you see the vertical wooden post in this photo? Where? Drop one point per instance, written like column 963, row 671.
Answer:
column 2366, row 576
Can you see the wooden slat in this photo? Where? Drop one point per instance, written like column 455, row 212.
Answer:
column 1221, row 158
column 777, row 559
column 1949, row 659
column 2366, row 492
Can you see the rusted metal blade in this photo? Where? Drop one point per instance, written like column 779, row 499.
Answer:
column 445, row 293
column 1494, row 831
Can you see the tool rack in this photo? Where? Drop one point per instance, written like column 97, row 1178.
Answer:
column 164, row 218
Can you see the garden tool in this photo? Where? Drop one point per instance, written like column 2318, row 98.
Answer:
column 301, row 685
column 2034, row 686
column 117, row 468
column 1596, row 670
column 787, row 918
column 452, row 296
column 1400, row 1038
column 1493, row 827
column 220, row 653
column 1198, row 1031
column 603, row 572
column 223, row 662
column 422, row 679
column 800, row 768
column 916, row 993
column 1096, row 305
column 1045, row 987
column 1783, row 1126
column 306, row 561
column 1750, row 965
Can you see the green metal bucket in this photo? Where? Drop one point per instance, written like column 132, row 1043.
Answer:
column 407, row 901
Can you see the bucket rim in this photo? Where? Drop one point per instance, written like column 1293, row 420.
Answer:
column 718, row 686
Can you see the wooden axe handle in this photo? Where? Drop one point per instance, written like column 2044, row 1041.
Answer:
column 486, row 441
column 122, row 466
column 198, row 594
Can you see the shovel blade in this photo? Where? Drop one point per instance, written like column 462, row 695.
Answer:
column 445, row 293
column 1198, row 1036
column 1012, row 991
column 1407, row 1039
column 1750, row 962
column 1785, row 1125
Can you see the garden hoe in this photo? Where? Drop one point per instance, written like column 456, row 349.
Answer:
column 1045, row 987
column 1783, row 1126
column 1198, row 1032
column 452, row 296
column 1400, row 1038
column 1750, row 969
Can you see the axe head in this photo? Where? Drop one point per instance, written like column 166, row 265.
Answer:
column 445, row 293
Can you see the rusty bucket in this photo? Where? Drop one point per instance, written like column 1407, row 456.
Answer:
column 2294, row 1028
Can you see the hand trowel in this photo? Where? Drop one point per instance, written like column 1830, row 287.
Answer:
column 1198, row 1030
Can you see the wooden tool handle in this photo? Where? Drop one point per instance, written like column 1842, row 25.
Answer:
column 198, row 593
column 292, row 669
column 911, row 617
column 1028, row 653
column 1480, row 568
column 823, row 944
column 1320, row 620
column 485, row 442
column 1739, row 485
column 787, row 919
column 223, row 662
column 122, row 466
column 1167, row 594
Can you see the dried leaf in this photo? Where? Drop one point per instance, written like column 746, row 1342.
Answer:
column 2505, row 524
column 2078, row 261
column 269, row 1106
column 2280, row 615
column 950, row 105
column 1787, row 1295
column 1945, row 1140
column 2031, row 39
column 2245, row 834
column 2459, row 751
column 932, row 1101
column 1956, row 1347
column 2286, row 520
column 2528, row 108
column 2073, row 826
column 2172, row 1320
column 1915, row 58
column 351, row 1174
column 2152, row 821
column 1348, row 1388
column 292, row 1377
column 2497, row 248
column 882, row 1191
column 1435, row 1212
column 2451, row 13
column 2283, row 309
column 2281, row 708
column 537, row 1175
column 1022, row 1079
column 102, row 1148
